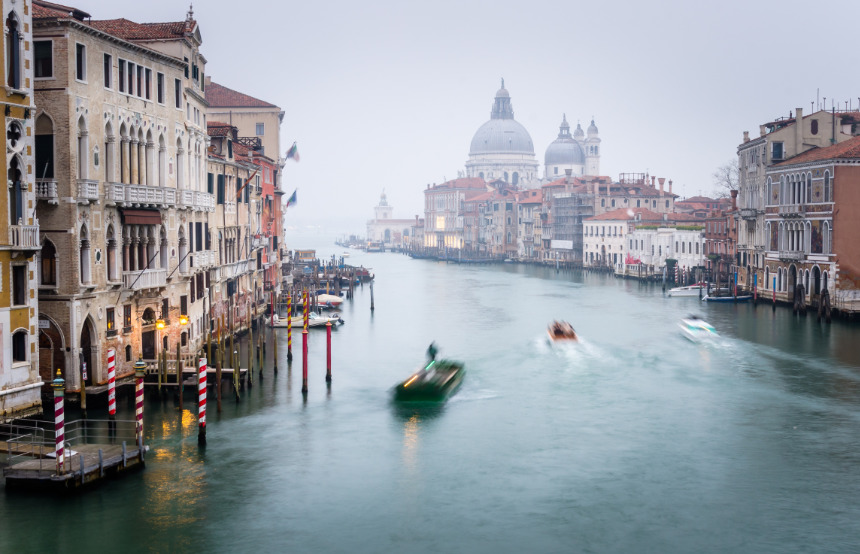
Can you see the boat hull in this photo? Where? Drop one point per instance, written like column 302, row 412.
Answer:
column 434, row 383
column 727, row 299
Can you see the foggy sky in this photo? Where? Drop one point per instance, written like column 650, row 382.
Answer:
column 389, row 94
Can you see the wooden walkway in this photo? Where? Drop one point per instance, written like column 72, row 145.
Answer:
column 82, row 468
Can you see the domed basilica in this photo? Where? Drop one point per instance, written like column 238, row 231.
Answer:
column 503, row 149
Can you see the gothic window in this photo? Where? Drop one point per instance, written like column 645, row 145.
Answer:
column 48, row 264
column 17, row 190
column 828, row 188
column 112, row 250
column 13, row 51
column 84, row 251
column 19, row 346
column 83, row 149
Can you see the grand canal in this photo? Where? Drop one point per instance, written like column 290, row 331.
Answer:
column 635, row 440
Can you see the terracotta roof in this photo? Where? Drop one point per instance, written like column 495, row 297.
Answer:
column 50, row 10
column 850, row 149
column 220, row 96
column 463, row 183
column 129, row 30
column 218, row 129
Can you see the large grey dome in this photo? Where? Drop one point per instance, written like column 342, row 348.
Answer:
column 564, row 150
column 502, row 133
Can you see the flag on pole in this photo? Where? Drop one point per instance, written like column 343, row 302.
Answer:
column 292, row 199
column 293, row 152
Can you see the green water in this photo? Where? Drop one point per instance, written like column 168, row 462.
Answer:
column 634, row 440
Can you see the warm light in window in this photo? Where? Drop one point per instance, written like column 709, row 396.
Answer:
column 183, row 320
column 159, row 324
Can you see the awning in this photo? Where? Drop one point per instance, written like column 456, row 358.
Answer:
column 141, row 217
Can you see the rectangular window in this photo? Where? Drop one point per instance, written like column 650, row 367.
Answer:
column 186, row 67
column 126, row 317
column 19, row 285
column 109, row 319
column 210, row 183
column 130, row 71
column 261, row 129
column 183, row 305
column 147, row 90
column 80, row 62
column 121, row 75
column 159, row 85
column 776, row 151
column 43, row 57
column 108, row 70
column 140, row 81
column 177, row 91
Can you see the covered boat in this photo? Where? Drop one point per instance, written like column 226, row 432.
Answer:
column 314, row 320
column 561, row 331
column 434, row 382
column 696, row 289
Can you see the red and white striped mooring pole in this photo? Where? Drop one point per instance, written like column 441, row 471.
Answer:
column 59, row 386
column 201, row 402
column 139, row 372
column 112, row 383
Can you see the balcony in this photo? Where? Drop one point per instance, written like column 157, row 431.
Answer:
column 233, row 270
column 145, row 279
column 46, row 189
column 791, row 256
column 203, row 258
column 88, row 191
column 749, row 213
column 792, row 211
column 24, row 237
column 196, row 201
column 139, row 196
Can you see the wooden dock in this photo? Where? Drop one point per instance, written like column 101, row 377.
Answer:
column 86, row 465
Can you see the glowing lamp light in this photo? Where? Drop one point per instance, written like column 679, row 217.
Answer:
column 183, row 320
column 159, row 324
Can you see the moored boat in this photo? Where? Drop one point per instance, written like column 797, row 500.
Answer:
column 727, row 298
column 689, row 290
column 561, row 331
column 434, row 382
column 314, row 320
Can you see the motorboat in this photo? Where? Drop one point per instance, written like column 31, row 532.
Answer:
column 697, row 329
column 561, row 331
column 434, row 382
column 726, row 298
column 690, row 290
column 314, row 320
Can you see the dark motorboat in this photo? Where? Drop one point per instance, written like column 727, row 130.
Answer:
column 434, row 382
column 561, row 331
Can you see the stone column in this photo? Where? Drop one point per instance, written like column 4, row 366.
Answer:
column 126, row 247
column 125, row 163
column 133, row 161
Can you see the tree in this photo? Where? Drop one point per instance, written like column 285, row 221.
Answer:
column 726, row 179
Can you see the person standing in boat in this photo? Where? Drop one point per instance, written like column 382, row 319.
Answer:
column 431, row 351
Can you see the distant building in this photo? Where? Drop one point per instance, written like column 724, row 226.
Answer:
column 393, row 233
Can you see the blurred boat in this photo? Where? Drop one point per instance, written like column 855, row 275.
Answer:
column 561, row 331
column 726, row 298
column 434, row 382
column 329, row 300
column 697, row 329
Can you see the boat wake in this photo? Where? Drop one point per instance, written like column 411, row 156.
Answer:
column 473, row 395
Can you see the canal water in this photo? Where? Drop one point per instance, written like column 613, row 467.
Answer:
column 634, row 440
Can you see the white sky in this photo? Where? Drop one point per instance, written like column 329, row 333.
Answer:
column 389, row 94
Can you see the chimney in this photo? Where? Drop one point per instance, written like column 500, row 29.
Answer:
column 653, row 186
column 670, row 186
column 662, row 180
column 207, row 81
column 762, row 131
column 746, row 136
column 798, row 132
column 734, row 200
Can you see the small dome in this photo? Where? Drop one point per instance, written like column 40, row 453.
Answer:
column 579, row 134
column 592, row 129
column 564, row 152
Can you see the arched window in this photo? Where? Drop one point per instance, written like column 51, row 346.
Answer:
column 83, row 149
column 112, row 249
column 17, row 192
column 13, row 51
column 516, row 178
column 44, row 147
column 183, row 250
column 149, row 163
column 86, row 276
column 162, row 162
column 48, row 264
column 128, row 352
column 180, row 165
column 19, row 346
column 828, row 188
column 110, row 154
column 162, row 249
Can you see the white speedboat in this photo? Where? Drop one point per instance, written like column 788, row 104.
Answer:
column 314, row 320
column 690, row 290
column 329, row 300
column 697, row 329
